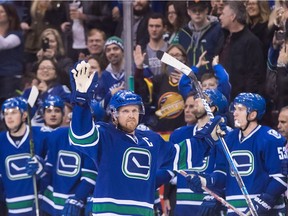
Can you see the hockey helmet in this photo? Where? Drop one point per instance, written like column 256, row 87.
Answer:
column 252, row 101
column 217, row 99
column 15, row 102
column 124, row 98
column 53, row 101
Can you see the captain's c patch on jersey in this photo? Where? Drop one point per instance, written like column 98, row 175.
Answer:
column 136, row 163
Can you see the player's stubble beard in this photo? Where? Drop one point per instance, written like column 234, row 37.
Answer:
column 130, row 125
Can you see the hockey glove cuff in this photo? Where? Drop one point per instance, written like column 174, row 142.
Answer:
column 83, row 82
column 196, row 180
column 73, row 207
column 211, row 130
column 35, row 166
column 263, row 204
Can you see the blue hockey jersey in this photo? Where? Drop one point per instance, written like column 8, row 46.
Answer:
column 126, row 164
column 17, row 184
column 258, row 159
column 70, row 173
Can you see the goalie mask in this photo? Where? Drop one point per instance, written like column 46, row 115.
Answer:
column 252, row 101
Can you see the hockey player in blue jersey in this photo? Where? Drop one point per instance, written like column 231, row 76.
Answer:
column 127, row 159
column 14, row 153
column 70, row 175
column 257, row 152
column 198, row 158
column 53, row 112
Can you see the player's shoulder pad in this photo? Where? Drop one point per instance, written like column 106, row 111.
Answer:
column 274, row 133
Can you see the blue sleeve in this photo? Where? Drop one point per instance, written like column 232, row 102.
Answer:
column 88, row 179
column 272, row 155
column 224, row 85
column 186, row 85
column 167, row 154
column 162, row 177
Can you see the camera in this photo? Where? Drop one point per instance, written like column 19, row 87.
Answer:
column 280, row 35
column 45, row 44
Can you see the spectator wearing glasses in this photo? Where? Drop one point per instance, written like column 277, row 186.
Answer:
column 47, row 83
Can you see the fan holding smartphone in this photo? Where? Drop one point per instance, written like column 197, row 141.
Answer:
column 45, row 43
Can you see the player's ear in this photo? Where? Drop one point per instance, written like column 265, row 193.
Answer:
column 24, row 116
column 252, row 116
column 114, row 119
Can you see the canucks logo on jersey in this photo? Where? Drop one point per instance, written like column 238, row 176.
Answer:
column 136, row 163
column 15, row 166
column 68, row 163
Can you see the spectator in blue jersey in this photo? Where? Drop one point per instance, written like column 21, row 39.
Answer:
column 11, row 51
column 216, row 79
column 69, row 174
column 15, row 151
column 127, row 158
column 188, row 201
column 113, row 77
column 203, row 32
column 47, row 79
column 257, row 152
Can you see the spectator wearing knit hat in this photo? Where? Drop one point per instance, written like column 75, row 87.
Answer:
column 113, row 77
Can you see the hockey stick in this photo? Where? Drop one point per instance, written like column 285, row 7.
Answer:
column 31, row 101
column 218, row 198
column 173, row 62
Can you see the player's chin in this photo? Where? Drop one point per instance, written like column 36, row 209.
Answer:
column 131, row 125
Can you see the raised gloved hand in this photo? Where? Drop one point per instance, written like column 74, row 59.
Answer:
column 35, row 166
column 284, row 167
column 83, row 82
column 263, row 204
column 73, row 207
column 211, row 207
column 196, row 180
column 211, row 130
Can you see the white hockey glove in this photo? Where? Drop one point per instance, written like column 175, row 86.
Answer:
column 83, row 82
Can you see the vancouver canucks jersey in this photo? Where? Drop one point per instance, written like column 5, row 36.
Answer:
column 107, row 82
column 17, row 184
column 258, row 159
column 195, row 155
column 126, row 164
column 182, row 133
column 71, row 173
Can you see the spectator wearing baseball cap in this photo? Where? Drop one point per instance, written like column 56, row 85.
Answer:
column 202, row 33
